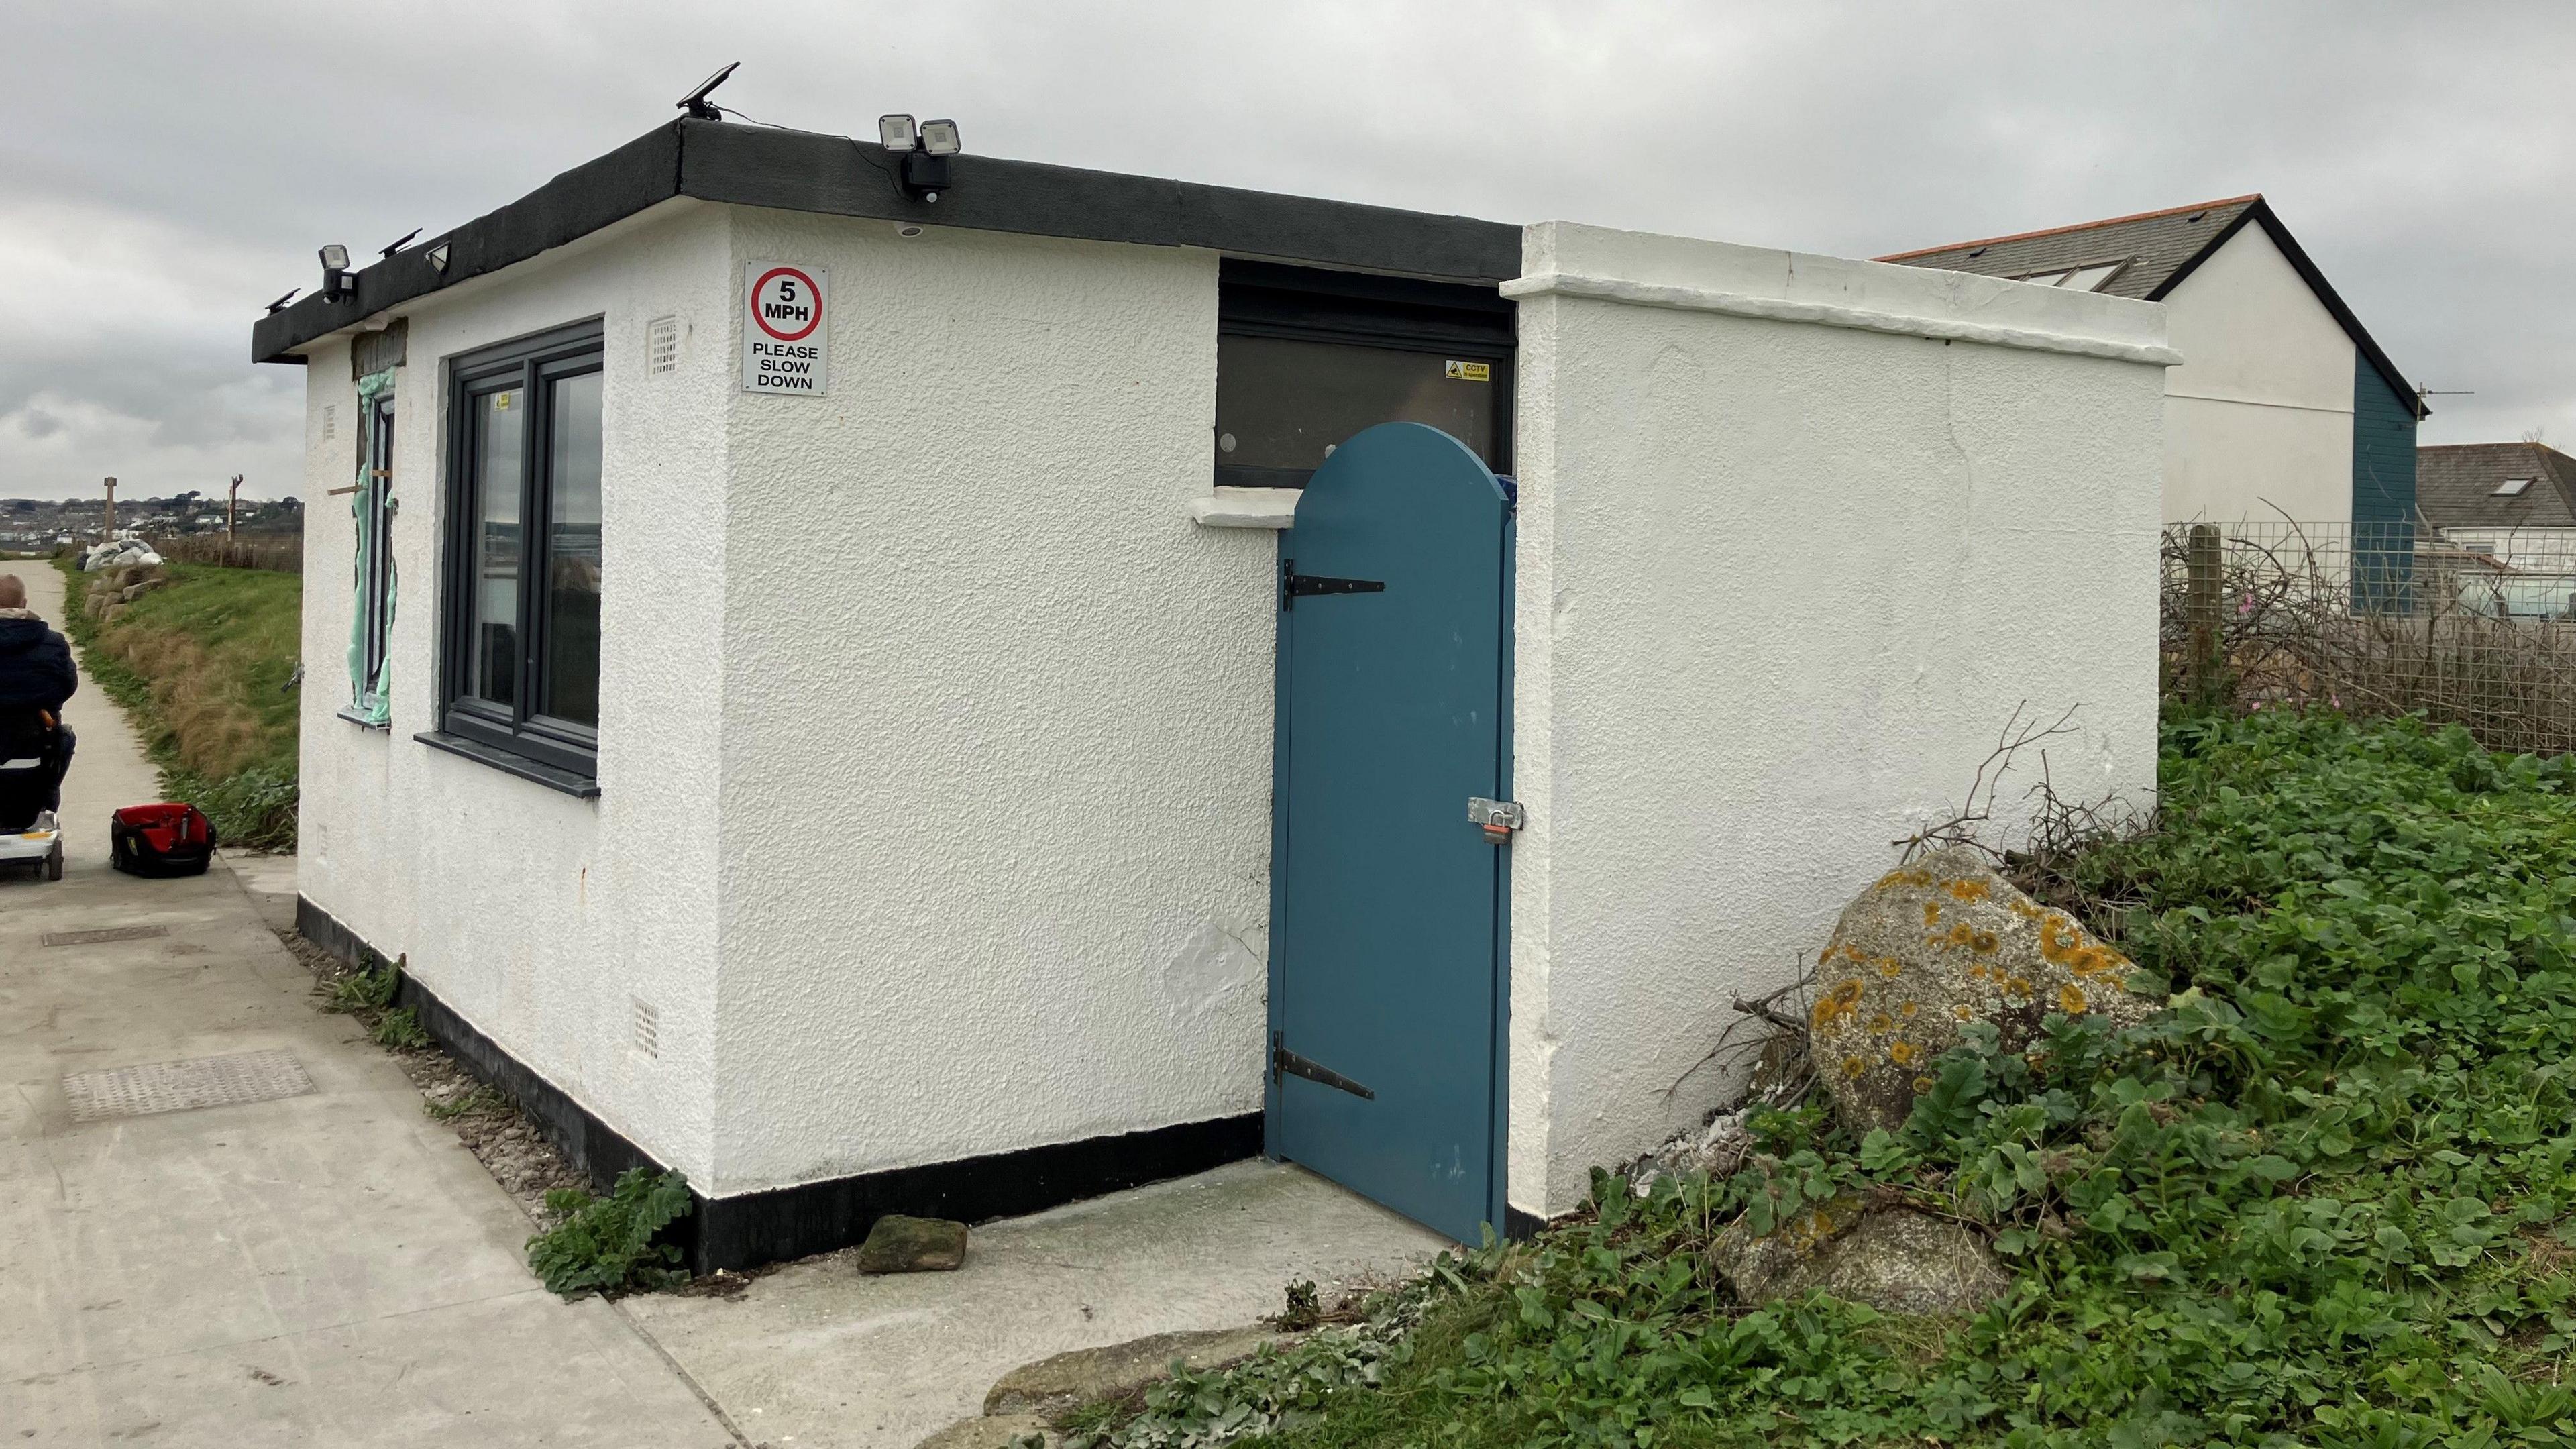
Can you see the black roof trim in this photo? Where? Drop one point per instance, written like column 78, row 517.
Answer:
column 837, row 176
column 2261, row 214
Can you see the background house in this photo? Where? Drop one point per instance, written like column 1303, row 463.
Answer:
column 2513, row 504
column 2283, row 407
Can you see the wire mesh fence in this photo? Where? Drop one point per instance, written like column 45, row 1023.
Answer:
column 283, row 552
column 2470, row 628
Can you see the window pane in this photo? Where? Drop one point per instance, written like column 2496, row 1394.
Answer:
column 378, row 526
column 500, row 431
column 2091, row 278
column 571, row 667
column 1280, row 403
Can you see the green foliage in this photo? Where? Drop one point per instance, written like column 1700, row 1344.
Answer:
column 401, row 1030
column 370, row 988
column 1305, row 1307
column 2324, row 1199
column 201, row 667
column 606, row 1245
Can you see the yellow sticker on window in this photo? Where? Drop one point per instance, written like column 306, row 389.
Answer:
column 1471, row 371
column 501, row 401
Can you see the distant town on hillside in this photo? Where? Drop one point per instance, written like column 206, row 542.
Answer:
column 34, row 523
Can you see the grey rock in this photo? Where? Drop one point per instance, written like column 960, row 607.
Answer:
column 1896, row 1260
column 899, row 1244
column 996, row 1431
column 1087, row 1375
column 1935, row 945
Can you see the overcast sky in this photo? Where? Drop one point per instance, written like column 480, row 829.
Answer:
column 165, row 169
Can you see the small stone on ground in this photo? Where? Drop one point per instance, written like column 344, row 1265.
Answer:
column 899, row 1244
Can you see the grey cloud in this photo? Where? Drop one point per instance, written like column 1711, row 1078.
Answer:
column 2411, row 147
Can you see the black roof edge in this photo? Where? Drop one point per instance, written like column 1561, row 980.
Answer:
column 2261, row 214
column 837, row 176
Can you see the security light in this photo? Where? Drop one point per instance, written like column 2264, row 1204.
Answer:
column 336, row 281
column 438, row 257
column 895, row 132
column 939, row 138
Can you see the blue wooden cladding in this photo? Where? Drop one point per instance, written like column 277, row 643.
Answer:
column 1387, row 939
column 2383, row 491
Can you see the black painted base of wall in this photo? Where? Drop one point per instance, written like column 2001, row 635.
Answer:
column 816, row 1217
column 1520, row 1225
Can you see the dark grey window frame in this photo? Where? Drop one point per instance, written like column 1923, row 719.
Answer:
column 555, row 752
column 1310, row 304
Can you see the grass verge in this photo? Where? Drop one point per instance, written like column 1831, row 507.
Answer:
column 201, row 667
column 2322, row 1200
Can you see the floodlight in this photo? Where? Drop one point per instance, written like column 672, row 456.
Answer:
column 895, row 132
column 335, row 258
column 939, row 138
column 696, row 102
column 336, row 281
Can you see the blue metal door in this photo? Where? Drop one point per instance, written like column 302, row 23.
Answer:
column 1387, row 987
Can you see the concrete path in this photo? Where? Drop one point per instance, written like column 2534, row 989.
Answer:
column 334, row 1268
column 329, row 1268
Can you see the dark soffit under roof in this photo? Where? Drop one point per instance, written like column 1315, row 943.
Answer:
column 2162, row 248
column 838, row 176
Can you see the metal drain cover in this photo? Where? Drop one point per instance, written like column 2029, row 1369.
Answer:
column 112, row 933
column 262, row 1076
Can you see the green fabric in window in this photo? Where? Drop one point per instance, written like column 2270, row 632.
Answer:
column 370, row 700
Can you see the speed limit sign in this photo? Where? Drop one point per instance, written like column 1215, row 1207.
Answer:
column 786, row 328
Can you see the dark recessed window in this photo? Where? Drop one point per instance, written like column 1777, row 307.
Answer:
column 522, row 619
column 1306, row 359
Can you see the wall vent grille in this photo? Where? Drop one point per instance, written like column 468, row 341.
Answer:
column 648, row 1028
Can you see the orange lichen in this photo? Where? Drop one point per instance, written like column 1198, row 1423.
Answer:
column 1901, row 1052
column 2015, row 986
column 2024, row 909
column 1970, row 938
column 1905, row 1008
column 1836, row 1004
column 1922, row 1085
column 1854, row 1066
column 1968, row 890
column 1931, row 913
column 1881, row 1024
column 1890, row 967
column 1963, row 1013
column 1905, row 876
column 2070, row 1000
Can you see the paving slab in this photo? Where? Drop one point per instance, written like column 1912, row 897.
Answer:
column 818, row 1354
column 325, row 1268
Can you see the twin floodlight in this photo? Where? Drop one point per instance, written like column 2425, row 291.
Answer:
column 925, row 151
column 336, row 280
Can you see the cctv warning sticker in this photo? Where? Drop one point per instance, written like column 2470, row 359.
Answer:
column 786, row 329
column 1471, row 371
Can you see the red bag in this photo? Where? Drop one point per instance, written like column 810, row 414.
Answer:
column 165, row 839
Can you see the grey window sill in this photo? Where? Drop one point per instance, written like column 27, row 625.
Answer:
column 351, row 714
column 579, row 786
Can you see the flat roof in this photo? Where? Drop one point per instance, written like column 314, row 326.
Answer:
column 839, row 176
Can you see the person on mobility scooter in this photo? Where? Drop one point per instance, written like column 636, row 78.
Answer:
column 36, row 676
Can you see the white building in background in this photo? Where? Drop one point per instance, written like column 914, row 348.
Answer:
column 2284, row 408
column 925, row 858
column 2511, row 508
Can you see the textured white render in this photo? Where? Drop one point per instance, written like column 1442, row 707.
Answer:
column 2258, row 418
column 1780, row 585
column 539, row 917
column 997, row 715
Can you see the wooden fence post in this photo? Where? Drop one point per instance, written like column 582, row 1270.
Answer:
column 2206, row 661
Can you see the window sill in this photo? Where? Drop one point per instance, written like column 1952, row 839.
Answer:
column 352, row 714
column 581, row 787
column 1247, row 508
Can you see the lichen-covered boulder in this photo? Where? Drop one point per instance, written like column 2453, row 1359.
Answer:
column 1933, row 946
column 900, row 1244
column 1895, row 1259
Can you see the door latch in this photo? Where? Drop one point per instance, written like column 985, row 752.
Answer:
column 1499, row 817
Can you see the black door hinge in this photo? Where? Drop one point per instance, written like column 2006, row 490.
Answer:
column 1284, row 1060
column 1294, row 585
